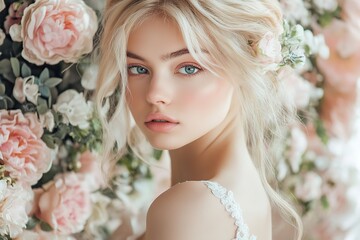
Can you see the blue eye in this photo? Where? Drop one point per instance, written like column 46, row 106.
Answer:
column 189, row 70
column 136, row 70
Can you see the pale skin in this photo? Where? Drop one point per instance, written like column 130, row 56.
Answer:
column 206, row 142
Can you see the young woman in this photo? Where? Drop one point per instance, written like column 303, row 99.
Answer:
column 189, row 74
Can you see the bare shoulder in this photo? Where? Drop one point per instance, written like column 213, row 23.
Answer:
column 187, row 211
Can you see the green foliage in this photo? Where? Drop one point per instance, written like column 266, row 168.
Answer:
column 15, row 65
column 31, row 224
column 45, row 227
column 321, row 131
column 327, row 17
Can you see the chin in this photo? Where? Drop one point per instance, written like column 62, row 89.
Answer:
column 163, row 144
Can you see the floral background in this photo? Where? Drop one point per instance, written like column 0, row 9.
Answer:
column 50, row 137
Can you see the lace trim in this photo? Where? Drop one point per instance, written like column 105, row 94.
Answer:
column 227, row 199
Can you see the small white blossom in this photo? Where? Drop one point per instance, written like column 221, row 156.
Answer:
column 326, row 5
column 295, row 11
column 25, row 88
column 47, row 120
column 309, row 188
column 88, row 80
column 316, row 44
column 15, row 33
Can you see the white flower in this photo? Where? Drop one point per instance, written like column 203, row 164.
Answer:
column 295, row 10
column 88, row 80
column 14, row 201
column 326, row 5
column 15, row 33
column 2, row 37
column 99, row 215
column 47, row 120
column 309, row 188
column 297, row 149
column 2, row 5
column 316, row 44
column 74, row 108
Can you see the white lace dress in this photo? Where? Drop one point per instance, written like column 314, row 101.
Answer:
column 227, row 199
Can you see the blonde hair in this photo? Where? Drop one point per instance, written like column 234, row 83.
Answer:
column 226, row 30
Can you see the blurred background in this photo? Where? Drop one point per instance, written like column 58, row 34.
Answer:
column 50, row 136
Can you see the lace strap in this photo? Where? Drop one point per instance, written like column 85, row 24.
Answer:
column 227, row 199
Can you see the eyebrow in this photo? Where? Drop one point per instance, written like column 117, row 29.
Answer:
column 164, row 57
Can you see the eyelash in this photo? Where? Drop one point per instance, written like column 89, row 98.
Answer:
column 199, row 69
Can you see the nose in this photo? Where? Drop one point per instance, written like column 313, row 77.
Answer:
column 159, row 90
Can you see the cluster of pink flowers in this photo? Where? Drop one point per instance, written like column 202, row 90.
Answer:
column 51, row 32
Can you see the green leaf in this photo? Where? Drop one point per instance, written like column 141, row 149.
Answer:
column 5, row 238
column 157, row 154
column 6, row 103
column 15, row 65
column 32, row 223
column 44, row 75
column 5, row 66
column 45, row 227
column 324, row 202
column 48, row 140
column 2, row 89
column 25, row 71
column 52, row 82
column 44, row 91
column 42, row 106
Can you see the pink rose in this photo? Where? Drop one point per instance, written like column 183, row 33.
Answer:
column 65, row 204
column 25, row 156
column 56, row 30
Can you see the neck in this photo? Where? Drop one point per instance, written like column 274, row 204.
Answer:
column 217, row 155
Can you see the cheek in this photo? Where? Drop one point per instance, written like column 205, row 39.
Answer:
column 134, row 99
column 211, row 98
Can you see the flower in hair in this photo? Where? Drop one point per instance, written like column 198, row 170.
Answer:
column 269, row 50
column 287, row 49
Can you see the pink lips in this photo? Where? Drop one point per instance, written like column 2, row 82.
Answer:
column 158, row 122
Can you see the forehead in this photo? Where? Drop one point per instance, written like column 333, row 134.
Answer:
column 155, row 36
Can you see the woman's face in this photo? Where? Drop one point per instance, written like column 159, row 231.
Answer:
column 172, row 98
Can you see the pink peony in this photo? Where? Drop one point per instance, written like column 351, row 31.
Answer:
column 25, row 156
column 56, row 30
column 65, row 204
